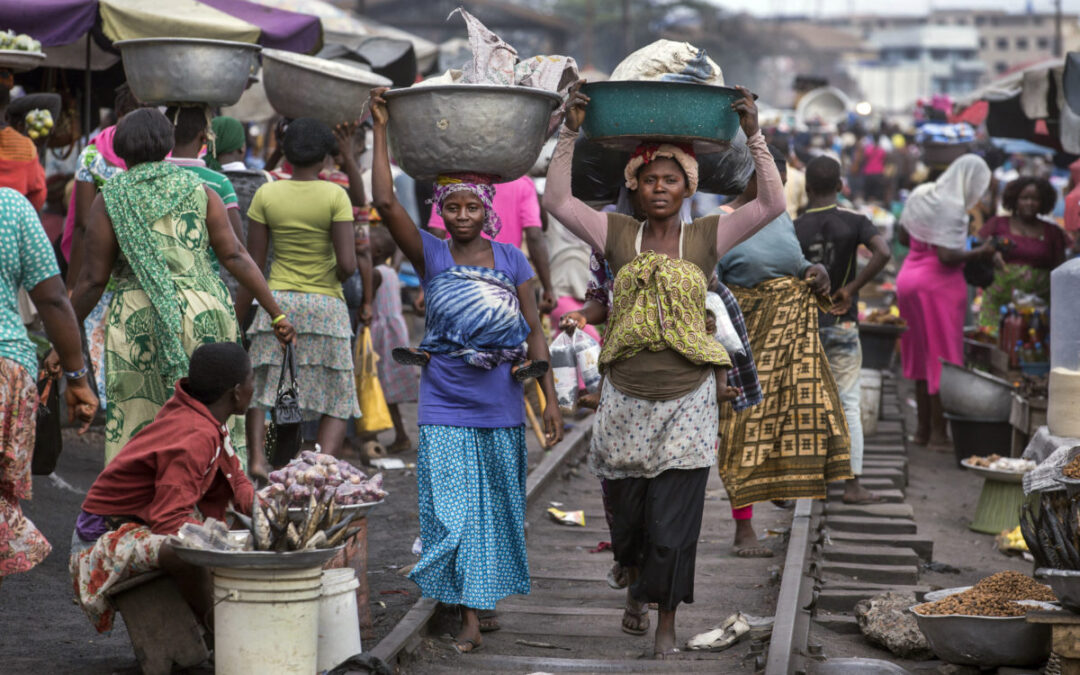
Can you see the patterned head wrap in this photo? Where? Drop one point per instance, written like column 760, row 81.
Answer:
column 478, row 184
column 650, row 152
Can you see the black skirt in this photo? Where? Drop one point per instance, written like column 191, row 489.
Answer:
column 655, row 528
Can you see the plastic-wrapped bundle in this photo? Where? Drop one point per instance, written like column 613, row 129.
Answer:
column 725, row 330
column 564, row 372
column 597, row 171
column 587, row 355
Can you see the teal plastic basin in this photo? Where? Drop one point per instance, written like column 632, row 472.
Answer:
column 630, row 111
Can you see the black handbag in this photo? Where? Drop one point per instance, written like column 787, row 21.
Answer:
column 283, row 438
column 979, row 272
column 48, row 442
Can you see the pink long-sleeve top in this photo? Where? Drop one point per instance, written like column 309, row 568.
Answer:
column 663, row 375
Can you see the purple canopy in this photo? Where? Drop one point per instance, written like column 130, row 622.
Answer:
column 62, row 22
column 52, row 22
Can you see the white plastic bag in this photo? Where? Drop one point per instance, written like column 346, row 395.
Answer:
column 725, row 330
column 587, row 354
column 564, row 372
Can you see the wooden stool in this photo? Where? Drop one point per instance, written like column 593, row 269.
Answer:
column 1064, row 640
column 163, row 630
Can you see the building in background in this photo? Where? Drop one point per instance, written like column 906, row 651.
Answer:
column 913, row 62
column 1005, row 40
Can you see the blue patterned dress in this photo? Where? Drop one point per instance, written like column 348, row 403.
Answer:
column 471, row 464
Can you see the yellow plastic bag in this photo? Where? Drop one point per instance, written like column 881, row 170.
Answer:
column 375, row 415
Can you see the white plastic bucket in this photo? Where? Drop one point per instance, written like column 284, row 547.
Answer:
column 266, row 621
column 869, row 400
column 339, row 624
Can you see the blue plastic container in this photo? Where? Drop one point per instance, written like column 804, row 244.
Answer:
column 627, row 112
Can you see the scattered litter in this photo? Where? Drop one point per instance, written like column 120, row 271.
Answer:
column 601, row 547
column 541, row 645
column 941, row 567
column 382, row 604
column 567, row 517
column 417, row 547
column 388, row 463
column 556, row 504
column 730, row 631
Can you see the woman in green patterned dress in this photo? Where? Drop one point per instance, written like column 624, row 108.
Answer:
column 152, row 228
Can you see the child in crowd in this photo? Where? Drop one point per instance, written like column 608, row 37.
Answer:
column 388, row 330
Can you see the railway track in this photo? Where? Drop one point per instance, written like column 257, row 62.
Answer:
column 834, row 556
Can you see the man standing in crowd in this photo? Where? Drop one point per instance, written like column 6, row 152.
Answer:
column 831, row 236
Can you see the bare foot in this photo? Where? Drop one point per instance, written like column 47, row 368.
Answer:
column 664, row 643
column 746, row 542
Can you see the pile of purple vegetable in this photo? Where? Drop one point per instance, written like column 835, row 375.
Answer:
column 319, row 475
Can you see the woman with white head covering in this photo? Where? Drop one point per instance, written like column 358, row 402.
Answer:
column 931, row 290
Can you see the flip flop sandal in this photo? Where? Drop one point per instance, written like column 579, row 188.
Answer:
column 754, row 552
column 617, row 583
column 473, row 645
column 530, row 370
column 643, row 626
column 490, row 625
column 407, row 356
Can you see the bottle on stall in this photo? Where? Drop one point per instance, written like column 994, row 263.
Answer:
column 1017, row 352
column 1011, row 332
column 1037, row 325
column 1004, row 314
column 1040, row 353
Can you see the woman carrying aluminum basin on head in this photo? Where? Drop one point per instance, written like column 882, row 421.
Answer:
column 654, row 436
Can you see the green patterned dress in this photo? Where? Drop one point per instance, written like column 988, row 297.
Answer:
column 137, row 379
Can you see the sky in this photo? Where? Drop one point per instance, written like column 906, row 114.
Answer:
column 827, row 7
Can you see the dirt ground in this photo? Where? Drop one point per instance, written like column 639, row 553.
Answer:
column 943, row 496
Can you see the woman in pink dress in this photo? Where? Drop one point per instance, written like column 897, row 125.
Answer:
column 930, row 288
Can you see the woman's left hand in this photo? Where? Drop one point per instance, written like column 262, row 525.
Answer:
column 818, row 278
column 724, row 391
column 284, row 332
column 999, row 261
column 553, row 424
column 748, row 112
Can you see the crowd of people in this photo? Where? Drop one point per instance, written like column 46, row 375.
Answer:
column 192, row 281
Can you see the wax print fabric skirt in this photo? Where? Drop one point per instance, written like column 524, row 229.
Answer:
column 98, row 566
column 471, row 495
column 22, row 546
column 134, row 384
column 796, row 442
column 323, row 355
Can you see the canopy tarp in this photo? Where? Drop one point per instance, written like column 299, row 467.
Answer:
column 62, row 26
column 347, row 28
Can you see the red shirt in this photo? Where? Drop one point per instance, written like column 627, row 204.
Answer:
column 179, row 462
column 19, row 166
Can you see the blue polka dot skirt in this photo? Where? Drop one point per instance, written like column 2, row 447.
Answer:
column 471, row 494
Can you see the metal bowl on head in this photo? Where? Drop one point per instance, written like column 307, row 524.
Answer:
column 188, row 70
column 970, row 393
column 986, row 641
column 298, row 85
column 623, row 114
column 468, row 128
column 19, row 61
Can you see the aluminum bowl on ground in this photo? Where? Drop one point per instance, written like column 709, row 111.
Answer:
column 1065, row 583
column 986, row 641
column 624, row 113
column 268, row 560
column 970, row 393
column 468, row 128
column 188, row 70
column 298, row 85
column 19, row 61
